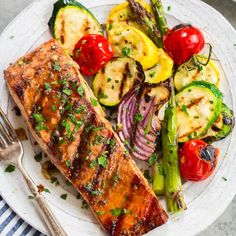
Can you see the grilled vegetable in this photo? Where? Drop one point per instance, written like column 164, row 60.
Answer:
column 182, row 42
column 143, row 17
column 173, row 186
column 117, row 78
column 91, row 53
column 188, row 73
column 129, row 41
column 159, row 13
column 222, row 127
column 198, row 106
column 198, row 160
column 162, row 70
column 158, row 184
column 70, row 21
column 122, row 16
column 138, row 118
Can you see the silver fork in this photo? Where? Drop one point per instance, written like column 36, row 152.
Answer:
column 11, row 152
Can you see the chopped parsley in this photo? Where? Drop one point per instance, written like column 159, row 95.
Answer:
column 56, row 66
column 10, row 168
column 109, row 80
column 38, row 157
column 38, row 117
column 47, row 86
column 116, row 211
column 54, row 108
column 225, row 179
column 102, row 160
column 68, row 163
column 68, row 183
column 101, row 95
column 55, row 181
column 138, row 117
column 110, row 26
column 67, row 91
column 168, row 8
column 80, row 109
column 84, row 205
column 98, row 140
column 100, row 213
column 152, row 74
column 94, row 101
column 93, row 164
column 64, row 196
column 31, row 196
column 80, row 91
column 126, row 51
column 152, row 160
column 184, row 109
column 115, row 178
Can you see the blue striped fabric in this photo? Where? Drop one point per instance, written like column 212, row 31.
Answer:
column 13, row 225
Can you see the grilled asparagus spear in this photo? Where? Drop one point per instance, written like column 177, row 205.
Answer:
column 173, row 185
column 160, row 16
column 143, row 18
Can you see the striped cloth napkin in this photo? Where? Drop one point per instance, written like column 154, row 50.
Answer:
column 12, row 225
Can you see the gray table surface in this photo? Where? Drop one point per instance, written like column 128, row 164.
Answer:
column 226, row 224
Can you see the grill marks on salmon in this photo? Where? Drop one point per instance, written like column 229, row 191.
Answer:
column 68, row 123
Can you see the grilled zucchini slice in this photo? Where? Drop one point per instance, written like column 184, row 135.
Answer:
column 184, row 76
column 198, row 106
column 114, row 80
column 70, row 21
column 222, row 127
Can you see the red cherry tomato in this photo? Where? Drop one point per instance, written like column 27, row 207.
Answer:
column 182, row 42
column 91, row 53
column 197, row 160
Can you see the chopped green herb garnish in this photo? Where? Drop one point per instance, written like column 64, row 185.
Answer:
column 93, row 164
column 152, row 74
column 98, row 140
column 80, row 109
column 46, row 190
column 100, row 213
column 73, row 85
column 55, row 181
column 68, row 163
column 109, row 80
column 116, row 211
column 78, row 196
column 64, row 196
column 126, row 51
column 38, row 157
column 101, row 95
column 94, row 101
column 148, row 128
column 80, row 91
column 47, row 86
column 115, row 178
column 168, row 8
column 67, row 91
column 56, row 66
column 138, row 117
column 68, row 183
column 152, row 160
column 41, row 127
column 38, row 118
column 10, row 168
column 31, row 196
column 102, row 160
column 54, row 108
column 110, row 26
column 84, row 205
column 225, row 179
column 112, row 87
column 146, row 174
column 184, row 109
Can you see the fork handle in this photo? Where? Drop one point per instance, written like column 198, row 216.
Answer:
column 52, row 223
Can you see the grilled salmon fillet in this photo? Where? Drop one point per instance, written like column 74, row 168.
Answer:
column 66, row 120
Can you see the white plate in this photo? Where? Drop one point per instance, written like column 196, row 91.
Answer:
column 205, row 200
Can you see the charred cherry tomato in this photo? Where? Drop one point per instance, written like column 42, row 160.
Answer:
column 91, row 53
column 182, row 42
column 197, row 160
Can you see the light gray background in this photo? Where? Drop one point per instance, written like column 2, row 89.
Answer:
column 226, row 224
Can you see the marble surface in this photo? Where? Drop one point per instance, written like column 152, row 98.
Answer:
column 226, row 224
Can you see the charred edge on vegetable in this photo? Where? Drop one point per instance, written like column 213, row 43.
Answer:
column 82, row 148
column 125, row 76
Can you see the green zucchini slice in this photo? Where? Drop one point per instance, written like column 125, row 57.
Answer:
column 70, row 21
column 222, row 127
column 198, row 106
column 116, row 79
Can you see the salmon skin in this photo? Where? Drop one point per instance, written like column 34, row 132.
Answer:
column 67, row 121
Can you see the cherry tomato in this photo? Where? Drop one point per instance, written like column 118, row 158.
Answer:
column 197, row 160
column 91, row 53
column 182, row 42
